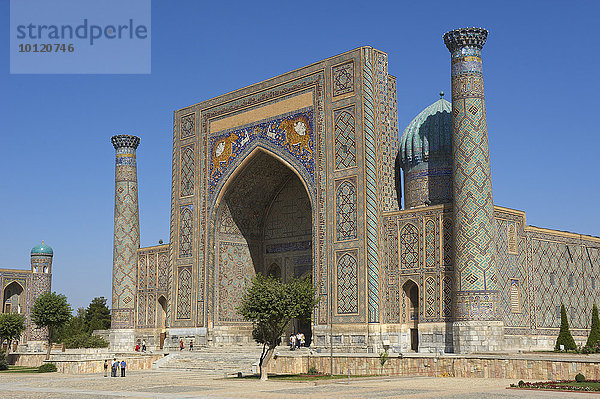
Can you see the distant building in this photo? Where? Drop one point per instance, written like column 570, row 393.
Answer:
column 300, row 175
column 20, row 289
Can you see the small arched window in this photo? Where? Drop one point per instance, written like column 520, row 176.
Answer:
column 45, row 269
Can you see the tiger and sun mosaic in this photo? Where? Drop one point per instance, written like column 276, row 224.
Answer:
column 300, row 175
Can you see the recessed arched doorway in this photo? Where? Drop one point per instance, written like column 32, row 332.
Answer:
column 13, row 298
column 263, row 224
column 162, row 319
column 411, row 293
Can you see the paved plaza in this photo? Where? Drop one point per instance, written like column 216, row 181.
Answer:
column 186, row 384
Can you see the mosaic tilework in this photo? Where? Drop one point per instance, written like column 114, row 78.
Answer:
column 187, row 171
column 447, row 242
column 409, row 247
column 126, row 231
column 187, row 127
column 184, row 293
column 392, row 292
column 430, row 298
column 347, row 283
column 343, row 78
column 292, row 132
column 431, row 243
column 153, row 274
column 186, row 231
column 346, row 210
column 235, row 271
column 447, row 297
column 475, row 259
column 163, row 272
column 141, row 310
column 345, row 138
column 371, row 186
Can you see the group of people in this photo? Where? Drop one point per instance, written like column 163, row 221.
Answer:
column 142, row 347
column 182, row 345
column 297, row 340
column 115, row 365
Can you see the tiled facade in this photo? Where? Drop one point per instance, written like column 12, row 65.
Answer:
column 300, row 175
column 20, row 289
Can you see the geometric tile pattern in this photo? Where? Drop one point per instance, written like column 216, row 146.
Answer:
column 409, row 247
column 187, row 171
column 186, row 231
column 447, row 297
column 392, row 292
column 346, row 211
column 431, row 244
column 474, row 225
column 345, row 138
column 126, row 231
column 372, row 216
column 430, row 298
column 347, row 283
column 343, row 78
column 184, row 293
column 447, row 242
column 187, row 126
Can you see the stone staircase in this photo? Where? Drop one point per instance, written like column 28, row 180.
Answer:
column 212, row 360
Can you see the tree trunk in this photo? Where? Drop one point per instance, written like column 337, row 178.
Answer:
column 49, row 343
column 265, row 362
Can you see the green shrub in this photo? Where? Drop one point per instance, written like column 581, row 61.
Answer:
column 564, row 336
column 3, row 364
column 83, row 340
column 313, row 370
column 521, row 383
column 383, row 358
column 580, row 378
column 594, row 336
column 47, row 368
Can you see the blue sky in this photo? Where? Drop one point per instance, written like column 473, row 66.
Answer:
column 541, row 64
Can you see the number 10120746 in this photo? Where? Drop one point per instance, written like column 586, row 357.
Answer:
column 46, row 48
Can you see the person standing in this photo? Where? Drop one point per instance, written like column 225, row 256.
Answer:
column 298, row 340
column 123, row 365
column 105, row 367
column 144, row 346
column 181, row 344
column 113, row 367
column 191, row 345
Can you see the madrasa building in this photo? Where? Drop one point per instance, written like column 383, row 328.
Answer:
column 300, row 175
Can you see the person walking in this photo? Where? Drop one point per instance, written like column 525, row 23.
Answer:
column 144, row 346
column 113, row 367
column 191, row 345
column 302, row 340
column 298, row 340
column 181, row 344
column 292, row 342
column 123, row 365
column 105, row 367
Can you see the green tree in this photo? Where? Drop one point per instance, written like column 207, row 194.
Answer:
column 271, row 304
column 594, row 336
column 12, row 326
column 97, row 315
column 564, row 336
column 51, row 310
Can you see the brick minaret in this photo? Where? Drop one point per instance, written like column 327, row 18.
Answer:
column 476, row 290
column 127, row 232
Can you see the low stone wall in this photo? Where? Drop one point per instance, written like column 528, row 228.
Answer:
column 534, row 367
column 86, row 366
column 84, row 362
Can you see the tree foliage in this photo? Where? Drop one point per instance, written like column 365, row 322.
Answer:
column 77, row 332
column 50, row 310
column 594, row 336
column 564, row 336
column 271, row 304
column 12, row 326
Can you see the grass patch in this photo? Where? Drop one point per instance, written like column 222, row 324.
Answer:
column 20, row 369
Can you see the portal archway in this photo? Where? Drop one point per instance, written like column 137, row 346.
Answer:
column 411, row 293
column 263, row 224
column 13, row 298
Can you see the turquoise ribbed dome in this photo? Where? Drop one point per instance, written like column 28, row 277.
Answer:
column 429, row 135
column 42, row 249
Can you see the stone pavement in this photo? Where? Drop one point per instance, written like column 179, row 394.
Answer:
column 193, row 384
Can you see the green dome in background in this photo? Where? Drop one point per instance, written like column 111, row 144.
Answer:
column 429, row 135
column 42, row 249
